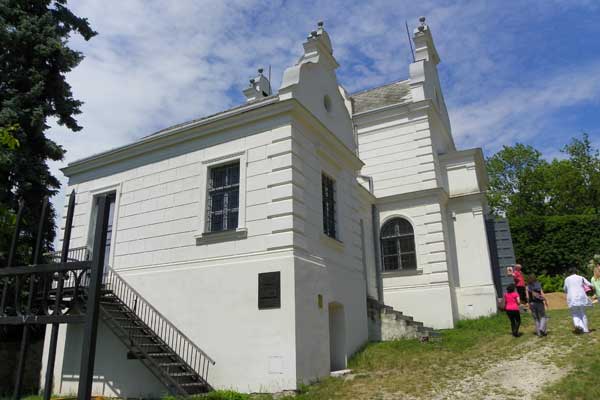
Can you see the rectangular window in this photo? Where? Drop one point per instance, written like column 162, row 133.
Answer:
column 329, row 217
column 107, row 232
column 223, row 197
column 269, row 290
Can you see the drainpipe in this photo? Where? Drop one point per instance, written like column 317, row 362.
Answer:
column 375, row 226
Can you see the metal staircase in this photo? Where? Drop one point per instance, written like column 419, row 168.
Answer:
column 170, row 355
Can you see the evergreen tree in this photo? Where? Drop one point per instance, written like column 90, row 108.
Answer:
column 34, row 58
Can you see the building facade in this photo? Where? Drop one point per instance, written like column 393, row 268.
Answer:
column 260, row 232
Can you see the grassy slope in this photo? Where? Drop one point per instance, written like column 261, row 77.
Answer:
column 412, row 369
column 409, row 369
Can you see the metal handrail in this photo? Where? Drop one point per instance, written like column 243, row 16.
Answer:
column 81, row 253
column 183, row 346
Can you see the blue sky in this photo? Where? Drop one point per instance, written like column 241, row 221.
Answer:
column 526, row 71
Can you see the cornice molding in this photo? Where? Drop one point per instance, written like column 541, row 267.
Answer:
column 213, row 125
column 437, row 192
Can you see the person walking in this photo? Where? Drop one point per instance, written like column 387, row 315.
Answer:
column 596, row 283
column 537, row 304
column 520, row 284
column 577, row 300
column 511, row 306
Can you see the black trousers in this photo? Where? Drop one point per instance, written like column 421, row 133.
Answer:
column 522, row 294
column 515, row 321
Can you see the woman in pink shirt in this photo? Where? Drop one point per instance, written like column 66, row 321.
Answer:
column 511, row 305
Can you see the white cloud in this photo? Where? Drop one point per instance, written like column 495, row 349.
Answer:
column 157, row 63
column 525, row 110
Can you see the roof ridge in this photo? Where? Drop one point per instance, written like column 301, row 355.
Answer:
column 378, row 87
column 247, row 103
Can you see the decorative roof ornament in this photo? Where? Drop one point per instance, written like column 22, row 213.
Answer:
column 259, row 87
column 423, row 26
column 424, row 46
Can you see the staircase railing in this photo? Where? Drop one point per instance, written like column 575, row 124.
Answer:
column 185, row 348
column 75, row 254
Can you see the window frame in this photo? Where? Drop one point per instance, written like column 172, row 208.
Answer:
column 202, row 234
column 334, row 198
column 396, row 238
column 115, row 190
column 226, row 190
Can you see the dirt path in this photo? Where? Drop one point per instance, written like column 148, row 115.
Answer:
column 516, row 377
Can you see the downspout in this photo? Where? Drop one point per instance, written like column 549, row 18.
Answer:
column 375, row 223
column 375, row 226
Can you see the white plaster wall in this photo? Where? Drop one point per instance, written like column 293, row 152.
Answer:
column 462, row 179
column 425, row 293
column 369, row 249
column 336, row 285
column 114, row 374
column 326, row 266
column 476, row 295
column 397, row 152
column 209, row 290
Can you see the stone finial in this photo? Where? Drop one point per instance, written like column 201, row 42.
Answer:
column 424, row 47
column 320, row 35
column 422, row 26
column 259, row 87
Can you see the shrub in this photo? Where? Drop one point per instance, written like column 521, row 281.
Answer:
column 550, row 245
column 551, row 283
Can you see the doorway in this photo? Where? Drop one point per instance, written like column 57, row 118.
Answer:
column 337, row 337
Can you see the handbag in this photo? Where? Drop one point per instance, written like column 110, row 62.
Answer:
column 589, row 289
column 502, row 304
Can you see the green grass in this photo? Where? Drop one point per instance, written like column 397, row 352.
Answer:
column 421, row 370
column 409, row 368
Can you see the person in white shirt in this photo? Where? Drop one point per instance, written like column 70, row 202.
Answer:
column 577, row 300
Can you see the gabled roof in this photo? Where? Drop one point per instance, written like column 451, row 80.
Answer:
column 386, row 95
column 210, row 116
column 247, row 106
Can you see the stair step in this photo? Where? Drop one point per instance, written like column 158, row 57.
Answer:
column 144, row 336
column 178, row 374
column 110, row 303
column 149, row 345
column 133, row 327
column 171, row 364
column 192, row 384
column 161, row 354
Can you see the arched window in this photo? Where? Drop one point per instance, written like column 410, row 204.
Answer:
column 398, row 245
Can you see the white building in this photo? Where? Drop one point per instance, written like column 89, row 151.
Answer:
column 344, row 197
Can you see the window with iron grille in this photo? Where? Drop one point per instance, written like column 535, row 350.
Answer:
column 398, row 245
column 329, row 217
column 223, row 197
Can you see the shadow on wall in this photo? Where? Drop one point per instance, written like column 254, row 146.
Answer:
column 337, row 337
column 114, row 374
column 10, row 342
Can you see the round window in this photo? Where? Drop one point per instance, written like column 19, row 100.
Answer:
column 327, row 103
